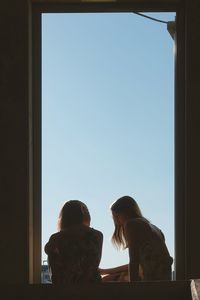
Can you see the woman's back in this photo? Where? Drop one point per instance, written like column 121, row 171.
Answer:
column 154, row 258
column 74, row 255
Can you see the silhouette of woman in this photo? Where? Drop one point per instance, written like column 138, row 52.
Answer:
column 74, row 252
column 149, row 258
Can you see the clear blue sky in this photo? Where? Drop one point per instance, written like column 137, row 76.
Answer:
column 107, row 119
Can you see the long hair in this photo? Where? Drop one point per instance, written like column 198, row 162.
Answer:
column 73, row 212
column 128, row 207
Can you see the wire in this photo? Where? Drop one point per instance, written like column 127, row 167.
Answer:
column 148, row 17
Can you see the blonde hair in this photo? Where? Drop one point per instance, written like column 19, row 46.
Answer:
column 128, row 207
column 73, row 212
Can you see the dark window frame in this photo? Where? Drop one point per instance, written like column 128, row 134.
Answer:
column 52, row 6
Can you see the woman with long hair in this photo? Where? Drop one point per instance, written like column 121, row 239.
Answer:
column 149, row 258
column 74, row 252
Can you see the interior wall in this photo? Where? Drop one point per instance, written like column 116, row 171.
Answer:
column 14, row 133
column 14, row 141
column 193, row 138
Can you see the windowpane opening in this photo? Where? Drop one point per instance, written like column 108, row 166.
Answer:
column 107, row 120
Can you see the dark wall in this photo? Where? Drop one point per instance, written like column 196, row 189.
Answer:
column 193, row 138
column 138, row 291
column 14, row 135
column 14, row 141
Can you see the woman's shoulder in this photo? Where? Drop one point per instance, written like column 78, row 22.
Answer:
column 52, row 243
column 96, row 233
column 55, row 235
column 145, row 226
column 137, row 228
column 137, row 223
column 145, row 229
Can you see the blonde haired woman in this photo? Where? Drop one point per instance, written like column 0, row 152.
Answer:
column 149, row 258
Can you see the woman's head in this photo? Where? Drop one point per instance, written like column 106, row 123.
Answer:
column 123, row 209
column 73, row 212
column 126, row 206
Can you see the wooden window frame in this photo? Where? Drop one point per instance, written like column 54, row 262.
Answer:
column 37, row 7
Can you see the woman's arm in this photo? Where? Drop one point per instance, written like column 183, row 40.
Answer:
column 98, row 239
column 118, row 269
column 132, row 232
column 95, row 253
column 133, row 266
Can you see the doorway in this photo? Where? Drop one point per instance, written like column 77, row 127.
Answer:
column 107, row 119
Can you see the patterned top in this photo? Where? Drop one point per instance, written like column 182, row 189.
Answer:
column 155, row 261
column 74, row 255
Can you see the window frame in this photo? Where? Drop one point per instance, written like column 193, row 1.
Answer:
column 52, row 6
